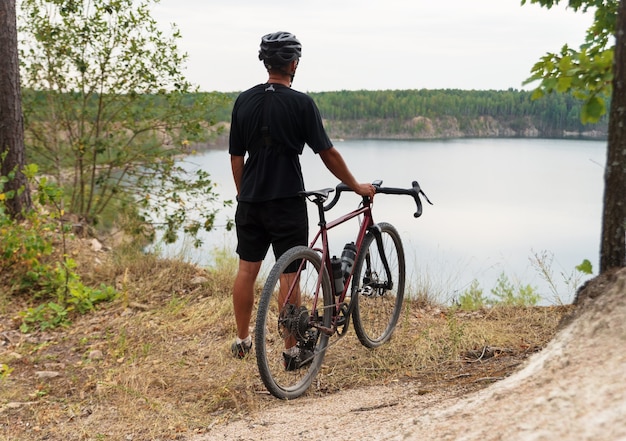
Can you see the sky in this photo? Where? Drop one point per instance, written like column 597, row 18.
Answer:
column 372, row 45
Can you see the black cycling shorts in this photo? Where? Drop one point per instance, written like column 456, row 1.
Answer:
column 282, row 223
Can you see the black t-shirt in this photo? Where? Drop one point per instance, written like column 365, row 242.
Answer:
column 272, row 123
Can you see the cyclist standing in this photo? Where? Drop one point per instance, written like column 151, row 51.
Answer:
column 271, row 123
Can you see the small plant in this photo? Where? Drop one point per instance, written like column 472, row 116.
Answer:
column 473, row 299
column 544, row 262
column 45, row 316
column 5, row 371
column 456, row 331
column 65, row 284
column 121, row 344
column 504, row 293
column 28, row 254
column 508, row 294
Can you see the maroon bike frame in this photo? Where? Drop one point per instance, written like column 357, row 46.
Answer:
column 322, row 233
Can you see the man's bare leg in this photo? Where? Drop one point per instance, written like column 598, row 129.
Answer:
column 243, row 295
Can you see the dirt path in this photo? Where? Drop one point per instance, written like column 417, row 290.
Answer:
column 575, row 389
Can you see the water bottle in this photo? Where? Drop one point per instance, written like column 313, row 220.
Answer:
column 335, row 264
column 347, row 259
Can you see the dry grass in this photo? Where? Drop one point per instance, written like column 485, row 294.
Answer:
column 156, row 364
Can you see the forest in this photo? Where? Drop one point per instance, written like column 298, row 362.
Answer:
column 414, row 114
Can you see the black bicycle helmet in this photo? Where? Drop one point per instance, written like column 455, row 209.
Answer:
column 279, row 49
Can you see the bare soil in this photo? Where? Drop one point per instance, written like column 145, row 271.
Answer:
column 574, row 389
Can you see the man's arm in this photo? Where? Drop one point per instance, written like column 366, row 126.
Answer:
column 334, row 162
column 236, row 163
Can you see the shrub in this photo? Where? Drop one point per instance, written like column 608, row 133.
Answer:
column 473, row 298
column 514, row 295
column 504, row 293
column 34, row 261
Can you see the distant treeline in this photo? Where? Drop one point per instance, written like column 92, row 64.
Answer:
column 448, row 113
column 429, row 113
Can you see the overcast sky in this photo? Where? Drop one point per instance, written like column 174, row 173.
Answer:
column 373, row 45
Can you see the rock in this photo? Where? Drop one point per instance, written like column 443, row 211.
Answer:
column 199, row 280
column 53, row 366
column 14, row 356
column 96, row 245
column 96, row 354
column 47, row 374
column 17, row 404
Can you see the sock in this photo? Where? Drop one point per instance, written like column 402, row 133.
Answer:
column 246, row 341
column 292, row 351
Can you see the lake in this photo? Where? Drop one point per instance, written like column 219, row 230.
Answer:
column 498, row 203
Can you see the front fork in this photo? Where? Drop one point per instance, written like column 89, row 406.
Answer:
column 374, row 281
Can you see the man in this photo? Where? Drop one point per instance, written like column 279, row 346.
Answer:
column 271, row 124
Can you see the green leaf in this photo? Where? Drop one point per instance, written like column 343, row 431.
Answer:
column 593, row 109
column 30, row 170
column 585, row 267
column 537, row 94
column 563, row 84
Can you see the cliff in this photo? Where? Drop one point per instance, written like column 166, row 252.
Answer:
column 446, row 127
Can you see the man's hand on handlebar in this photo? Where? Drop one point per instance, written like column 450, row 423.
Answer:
column 365, row 190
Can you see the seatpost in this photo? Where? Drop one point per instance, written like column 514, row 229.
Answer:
column 320, row 210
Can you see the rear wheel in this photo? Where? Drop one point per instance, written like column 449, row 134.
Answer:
column 378, row 293
column 286, row 318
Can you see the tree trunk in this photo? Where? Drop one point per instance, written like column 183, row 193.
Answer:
column 613, row 250
column 11, row 117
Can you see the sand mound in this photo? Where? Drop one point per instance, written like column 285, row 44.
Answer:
column 574, row 389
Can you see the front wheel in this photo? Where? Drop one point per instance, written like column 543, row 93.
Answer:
column 378, row 287
column 289, row 347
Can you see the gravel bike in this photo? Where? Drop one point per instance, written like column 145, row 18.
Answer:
column 310, row 296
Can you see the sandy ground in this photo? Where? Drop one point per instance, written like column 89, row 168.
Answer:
column 575, row 389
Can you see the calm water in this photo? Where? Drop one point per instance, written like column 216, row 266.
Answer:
column 497, row 203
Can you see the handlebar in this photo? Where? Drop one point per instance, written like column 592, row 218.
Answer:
column 414, row 191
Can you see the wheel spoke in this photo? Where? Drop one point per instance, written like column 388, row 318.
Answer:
column 379, row 287
column 286, row 324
